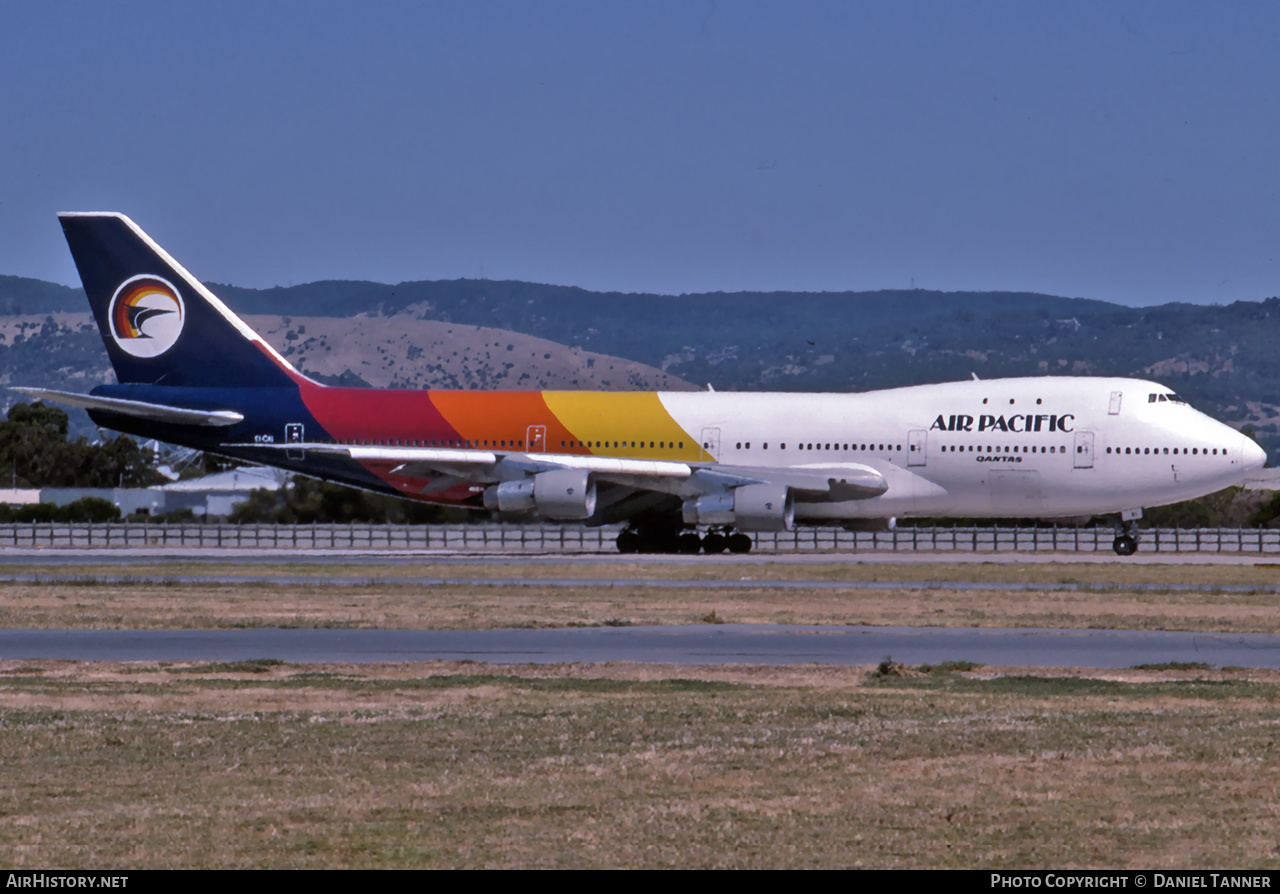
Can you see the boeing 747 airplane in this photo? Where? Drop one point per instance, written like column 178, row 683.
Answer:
column 667, row 464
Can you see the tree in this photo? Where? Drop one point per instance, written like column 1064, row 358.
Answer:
column 306, row 501
column 35, row 452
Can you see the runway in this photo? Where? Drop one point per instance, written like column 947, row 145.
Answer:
column 426, row 558
column 578, row 583
column 694, row 644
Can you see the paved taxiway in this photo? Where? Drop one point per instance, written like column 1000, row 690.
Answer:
column 630, row 582
column 52, row 556
column 697, row 644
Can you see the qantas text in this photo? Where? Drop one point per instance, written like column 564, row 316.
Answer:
column 1018, row 423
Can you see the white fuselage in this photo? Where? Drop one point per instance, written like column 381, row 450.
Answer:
column 1034, row 447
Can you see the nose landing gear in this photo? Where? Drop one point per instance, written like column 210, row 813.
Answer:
column 1126, row 542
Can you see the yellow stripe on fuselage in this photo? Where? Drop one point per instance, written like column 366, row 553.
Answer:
column 622, row 418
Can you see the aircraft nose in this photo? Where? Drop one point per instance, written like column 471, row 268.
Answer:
column 1254, row 456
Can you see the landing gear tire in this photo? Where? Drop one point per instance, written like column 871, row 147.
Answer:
column 714, row 544
column 1125, row 545
column 739, row 543
column 689, row 544
column 628, row 542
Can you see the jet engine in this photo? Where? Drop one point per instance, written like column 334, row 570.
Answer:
column 753, row 507
column 561, row 494
column 867, row 525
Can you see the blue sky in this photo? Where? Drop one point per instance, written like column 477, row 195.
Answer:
column 1123, row 151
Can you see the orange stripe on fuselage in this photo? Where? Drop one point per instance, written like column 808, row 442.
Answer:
column 497, row 416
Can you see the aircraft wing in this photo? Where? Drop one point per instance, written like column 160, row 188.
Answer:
column 488, row 465
column 137, row 408
column 835, row 483
column 811, row 484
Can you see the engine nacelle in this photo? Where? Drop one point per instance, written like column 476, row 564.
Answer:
column 755, row 507
column 565, row 494
column 866, row 525
column 510, row 496
column 712, row 509
column 562, row 494
column 764, row 507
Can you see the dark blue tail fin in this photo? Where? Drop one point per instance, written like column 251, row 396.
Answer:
column 161, row 326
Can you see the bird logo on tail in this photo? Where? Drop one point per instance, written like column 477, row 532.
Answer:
column 146, row 316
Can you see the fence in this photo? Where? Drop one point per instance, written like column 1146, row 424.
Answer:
column 568, row 538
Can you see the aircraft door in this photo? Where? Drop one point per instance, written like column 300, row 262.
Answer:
column 1114, row 408
column 537, row 439
column 711, row 443
column 293, row 435
column 916, row 443
column 1084, row 450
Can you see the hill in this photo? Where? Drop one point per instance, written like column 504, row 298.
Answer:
column 487, row 334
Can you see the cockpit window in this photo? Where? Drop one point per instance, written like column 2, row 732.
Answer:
column 1162, row 398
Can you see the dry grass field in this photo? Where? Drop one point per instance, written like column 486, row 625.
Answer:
column 457, row 765
column 1098, row 604
column 262, row 764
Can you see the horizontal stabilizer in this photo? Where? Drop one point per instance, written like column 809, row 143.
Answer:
column 137, row 408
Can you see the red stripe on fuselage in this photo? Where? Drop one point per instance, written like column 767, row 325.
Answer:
column 374, row 415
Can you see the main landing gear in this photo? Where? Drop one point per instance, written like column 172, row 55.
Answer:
column 641, row 540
